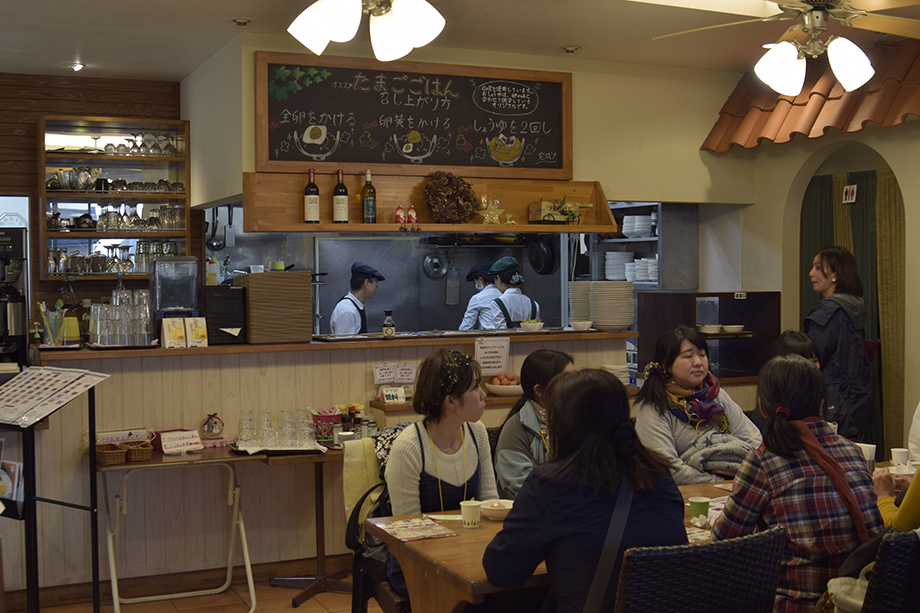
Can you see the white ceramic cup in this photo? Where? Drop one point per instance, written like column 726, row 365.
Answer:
column 470, row 510
column 899, row 456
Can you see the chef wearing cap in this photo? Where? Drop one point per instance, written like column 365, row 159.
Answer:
column 479, row 304
column 348, row 316
column 512, row 307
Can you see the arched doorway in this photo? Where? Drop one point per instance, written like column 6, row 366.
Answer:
column 871, row 225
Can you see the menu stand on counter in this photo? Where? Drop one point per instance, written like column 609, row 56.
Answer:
column 51, row 389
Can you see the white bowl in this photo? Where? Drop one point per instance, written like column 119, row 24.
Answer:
column 496, row 514
column 581, row 325
column 710, row 329
column 733, row 328
column 504, row 390
column 531, row 327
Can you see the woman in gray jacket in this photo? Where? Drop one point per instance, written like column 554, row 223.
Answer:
column 522, row 442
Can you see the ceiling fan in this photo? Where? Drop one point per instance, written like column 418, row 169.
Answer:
column 783, row 66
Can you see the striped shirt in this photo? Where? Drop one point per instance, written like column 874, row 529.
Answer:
column 770, row 490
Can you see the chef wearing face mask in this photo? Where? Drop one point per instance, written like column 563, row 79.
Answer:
column 479, row 303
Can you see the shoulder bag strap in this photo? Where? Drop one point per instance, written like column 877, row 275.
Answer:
column 533, row 308
column 611, row 548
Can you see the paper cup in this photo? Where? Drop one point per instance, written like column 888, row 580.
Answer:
column 699, row 505
column 470, row 509
column 899, row 456
column 833, row 425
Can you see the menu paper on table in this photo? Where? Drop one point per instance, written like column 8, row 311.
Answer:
column 416, row 529
column 39, row 391
column 492, row 354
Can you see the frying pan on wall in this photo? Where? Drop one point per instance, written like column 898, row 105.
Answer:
column 540, row 255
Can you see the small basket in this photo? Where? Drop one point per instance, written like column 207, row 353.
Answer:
column 110, row 453
column 138, row 451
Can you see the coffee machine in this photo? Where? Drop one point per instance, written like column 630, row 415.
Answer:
column 14, row 340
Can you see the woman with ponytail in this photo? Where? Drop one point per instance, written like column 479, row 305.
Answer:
column 563, row 511
column 686, row 417
column 522, row 443
column 803, row 477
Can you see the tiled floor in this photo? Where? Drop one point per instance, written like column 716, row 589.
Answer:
column 235, row 600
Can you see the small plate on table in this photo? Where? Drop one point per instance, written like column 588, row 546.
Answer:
column 504, row 390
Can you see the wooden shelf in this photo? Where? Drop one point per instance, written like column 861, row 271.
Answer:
column 93, row 234
column 78, row 156
column 54, row 195
column 273, row 202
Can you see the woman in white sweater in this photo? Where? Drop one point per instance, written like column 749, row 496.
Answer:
column 445, row 458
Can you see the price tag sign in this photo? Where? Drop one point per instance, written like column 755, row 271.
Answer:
column 492, row 354
column 180, row 441
column 394, row 395
column 384, row 373
column 406, row 374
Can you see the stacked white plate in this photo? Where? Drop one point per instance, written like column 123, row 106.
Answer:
column 641, row 270
column 612, row 305
column 652, row 268
column 637, row 226
column 630, row 268
column 614, row 266
column 621, row 372
column 579, row 299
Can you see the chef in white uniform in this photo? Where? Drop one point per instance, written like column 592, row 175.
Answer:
column 480, row 303
column 512, row 307
column 348, row 317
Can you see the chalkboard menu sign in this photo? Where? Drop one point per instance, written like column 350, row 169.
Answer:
column 410, row 118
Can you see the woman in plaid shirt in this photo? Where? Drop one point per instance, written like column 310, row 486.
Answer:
column 803, row 477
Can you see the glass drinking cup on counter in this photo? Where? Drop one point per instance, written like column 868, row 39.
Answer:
column 287, row 430
column 245, row 432
column 303, row 423
column 265, row 431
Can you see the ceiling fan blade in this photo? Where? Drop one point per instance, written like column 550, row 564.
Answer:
column 797, row 6
column 721, row 25
column 887, row 24
column 881, row 5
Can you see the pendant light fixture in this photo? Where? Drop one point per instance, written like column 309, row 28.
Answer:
column 783, row 66
column 396, row 26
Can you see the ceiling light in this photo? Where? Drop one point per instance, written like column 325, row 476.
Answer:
column 396, row 26
column 241, row 23
column 76, row 66
column 570, row 48
column 783, row 66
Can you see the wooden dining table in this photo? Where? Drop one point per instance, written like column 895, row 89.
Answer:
column 443, row 575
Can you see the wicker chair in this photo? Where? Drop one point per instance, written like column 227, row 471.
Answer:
column 893, row 585
column 674, row 578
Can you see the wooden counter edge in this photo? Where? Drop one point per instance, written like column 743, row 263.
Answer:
column 42, row 358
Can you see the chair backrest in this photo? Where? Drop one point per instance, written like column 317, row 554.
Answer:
column 663, row 578
column 493, row 433
column 893, row 584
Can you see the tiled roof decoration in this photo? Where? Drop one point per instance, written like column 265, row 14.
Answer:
column 754, row 112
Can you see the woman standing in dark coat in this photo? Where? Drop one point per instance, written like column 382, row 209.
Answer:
column 837, row 326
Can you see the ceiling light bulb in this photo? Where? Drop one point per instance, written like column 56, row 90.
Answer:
column 850, row 65
column 782, row 69
column 418, row 20
column 388, row 38
column 310, row 28
column 342, row 18
column 76, row 66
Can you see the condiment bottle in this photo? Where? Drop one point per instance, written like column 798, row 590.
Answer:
column 389, row 326
column 372, row 428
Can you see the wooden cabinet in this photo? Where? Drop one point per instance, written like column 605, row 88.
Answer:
column 737, row 354
column 142, row 198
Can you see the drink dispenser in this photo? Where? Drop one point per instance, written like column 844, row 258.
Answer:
column 173, row 288
column 14, row 340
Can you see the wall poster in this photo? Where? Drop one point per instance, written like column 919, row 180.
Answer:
column 407, row 118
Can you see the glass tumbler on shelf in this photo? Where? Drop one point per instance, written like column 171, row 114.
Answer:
column 265, row 432
column 122, row 297
column 303, row 424
column 170, row 248
column 287, row 430
column 245, row 432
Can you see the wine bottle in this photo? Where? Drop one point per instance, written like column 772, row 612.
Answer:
column 311, row 201
column 340, row 202
column 389, row 326
column 369, row 198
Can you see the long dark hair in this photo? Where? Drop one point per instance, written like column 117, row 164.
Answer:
column 653, row 391
column 838, row 262
column 591, row 437
column 796, row 343
column 444, row 373
column 788, row 382
column 538, row 369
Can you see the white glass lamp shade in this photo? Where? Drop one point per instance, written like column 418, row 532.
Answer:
column 782, row 69
column 342, row 19
column 419, row 21
column 388, row 37
column 850, row 65
column 310, row 28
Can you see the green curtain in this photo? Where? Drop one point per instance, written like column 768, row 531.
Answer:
column 816, row 232
column 863, row 231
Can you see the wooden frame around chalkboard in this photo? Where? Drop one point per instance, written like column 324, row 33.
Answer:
column 264, row 164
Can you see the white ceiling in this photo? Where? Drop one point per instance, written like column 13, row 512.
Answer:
column 168, row 39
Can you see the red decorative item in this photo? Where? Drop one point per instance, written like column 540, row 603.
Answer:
column 413, row 216
column 401, row 215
